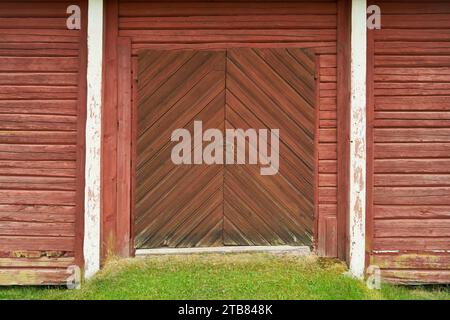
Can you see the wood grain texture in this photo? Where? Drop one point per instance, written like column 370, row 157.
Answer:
column 410, row 136
column 343, row 125
column 42, row 115
column 201, row 205
column 221, row 25
column 275, row 89
column 124, row 149
column 109, row 133
column 177, row 205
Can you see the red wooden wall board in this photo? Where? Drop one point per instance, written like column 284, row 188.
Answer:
column 319, row 245
column 274, row 198
column 42, row 119
column 33, row 276
column 408, row 142
column 124, row 139
column 134, row 85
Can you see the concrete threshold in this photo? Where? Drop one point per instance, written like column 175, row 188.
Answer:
column 297, row 250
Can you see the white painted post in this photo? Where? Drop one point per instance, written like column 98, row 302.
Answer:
column 357, row 214
column 93, row 140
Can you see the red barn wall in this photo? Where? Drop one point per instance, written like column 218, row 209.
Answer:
column 409, row 141
column 42, row 103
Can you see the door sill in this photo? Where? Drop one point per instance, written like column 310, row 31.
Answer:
column 297, row 250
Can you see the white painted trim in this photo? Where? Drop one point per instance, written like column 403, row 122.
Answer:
column 93, row 140
column 357, row 214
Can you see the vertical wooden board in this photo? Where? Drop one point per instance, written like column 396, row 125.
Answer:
column 321, row 236
column 331, row 236
column 81, row 138
column 109, row 132
column 43, row 106
column 134, row 66
column 318, row 240
column 343, row 123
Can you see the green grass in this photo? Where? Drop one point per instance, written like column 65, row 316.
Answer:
column 236, row 276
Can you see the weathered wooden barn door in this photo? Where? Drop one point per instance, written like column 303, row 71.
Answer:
column 177, row 205
column 187, row 205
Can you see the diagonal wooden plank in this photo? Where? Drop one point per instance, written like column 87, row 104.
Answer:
column 238, row 229
column 156, row 67
column 209, row 197
column 206, row 93
column 167, row 208
column 206, row 227
column 262, row 92
column 159, row 167
column 295, row 221
column 290, row 163
column 277, row 229
column 153, row 105
column 178, row 205
column 177, row 218
column 305, row 58
column 292, row 72
column 264, row 108
column 284, row 180
column 246, row 206
column 270, row 83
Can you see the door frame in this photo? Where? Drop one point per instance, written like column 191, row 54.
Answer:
column 126, row 148
column 117, row 181
column 126, row 181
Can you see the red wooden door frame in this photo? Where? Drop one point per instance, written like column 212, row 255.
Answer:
column 307, row 215
column 343, row 125
column 126, row 150
column 81, row 138
column 124, row 146
column 109, row 194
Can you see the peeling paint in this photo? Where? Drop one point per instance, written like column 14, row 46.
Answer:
column 385, row 251
column 357, row 223
column 93, row 141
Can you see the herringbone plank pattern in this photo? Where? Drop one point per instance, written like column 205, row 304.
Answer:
column 177, row 205
column 273, row 89
column 213, row 205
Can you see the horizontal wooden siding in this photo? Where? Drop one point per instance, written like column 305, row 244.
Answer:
column 410, row 160
column 41, row 134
